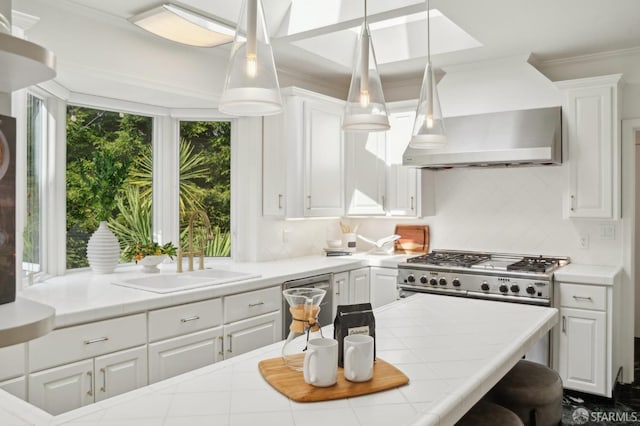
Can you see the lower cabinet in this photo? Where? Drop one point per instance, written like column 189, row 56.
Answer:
column 384, row 287
column 178, row 355
column 16, row 387
column 340, row 291
column 249, row 334
column 359, row 286
column 12, row 370
column 60, row 389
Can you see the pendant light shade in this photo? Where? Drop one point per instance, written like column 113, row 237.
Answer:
column 428, row 129
column 365, row 109
column 251, row 84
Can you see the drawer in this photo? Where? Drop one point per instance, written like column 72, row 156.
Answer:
column 87, row 341
column 583, row 296
column 247, row 305
column 183, row 319
column 12, row 361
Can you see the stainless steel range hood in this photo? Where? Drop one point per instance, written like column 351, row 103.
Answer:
column 511, row 138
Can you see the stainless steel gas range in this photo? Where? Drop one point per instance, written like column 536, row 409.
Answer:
column 497, row 276
column 503, row 277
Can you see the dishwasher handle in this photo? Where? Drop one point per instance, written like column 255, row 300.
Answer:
column 303, row 282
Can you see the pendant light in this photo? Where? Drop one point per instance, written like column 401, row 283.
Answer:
column 428, row 129
column 251, row 84
column 365, row 109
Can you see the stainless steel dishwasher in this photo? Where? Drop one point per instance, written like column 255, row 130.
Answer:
column 318, row 281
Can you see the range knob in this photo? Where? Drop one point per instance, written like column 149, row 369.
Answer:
column 515, row 288
column 503, row 288
column 531, row 290
column 433, row 281
column 443, row 281
column 411, row 278
column 456, row 282
column 423, row 280
column 485, row 286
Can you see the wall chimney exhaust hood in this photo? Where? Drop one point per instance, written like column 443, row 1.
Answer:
column 509, row 138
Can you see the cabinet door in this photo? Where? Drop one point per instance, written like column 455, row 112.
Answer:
column 16, row 387
column 274, row 166
column 120, row 372
column 384, row 287
column 359, row 286
column 583, row 350
column 591, row 128
column 323, row 155
column 61, row 389
column 340, row 291
column 366, row 173
column 402, row 181
column 175, row 356
column 247, row 335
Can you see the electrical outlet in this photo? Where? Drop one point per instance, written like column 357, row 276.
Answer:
column 607, row 231
column 583, row 242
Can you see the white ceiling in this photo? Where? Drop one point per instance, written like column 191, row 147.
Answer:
column 313, row 38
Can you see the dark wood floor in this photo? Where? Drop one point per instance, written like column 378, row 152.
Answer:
column 623, row 409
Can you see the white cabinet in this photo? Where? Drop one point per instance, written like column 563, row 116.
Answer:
column 384, row 288
column 359, row 289
column 249, row 334
column 592, row 146
column 377, row 184
column 340, row 291
column 12, row 370
column 303, row 165
column 60, row 389
column 252, row 320
column 585, row 355
column 170, row 357
column 75, row 366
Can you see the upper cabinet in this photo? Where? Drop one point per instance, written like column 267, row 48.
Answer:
column 377, row 184
column 592, row 146
column 303, row 165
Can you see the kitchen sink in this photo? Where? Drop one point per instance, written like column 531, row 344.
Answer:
column 177, row 282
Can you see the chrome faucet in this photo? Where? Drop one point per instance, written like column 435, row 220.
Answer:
column 191, row 252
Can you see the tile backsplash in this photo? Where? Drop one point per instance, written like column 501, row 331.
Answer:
column 518, row 210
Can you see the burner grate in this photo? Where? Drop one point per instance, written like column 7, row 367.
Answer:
column 535, row 264
column 460, row 259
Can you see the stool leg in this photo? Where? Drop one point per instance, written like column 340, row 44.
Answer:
column 532, row 417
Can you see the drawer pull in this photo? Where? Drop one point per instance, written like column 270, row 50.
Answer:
column 99, row 339
column 230, row 350
column 221, row 353
column 579, row 298
column 279, row 201
column 564, row 324
column 253, row 305
column 104, row 380
column 90, row 391
column 193, row 318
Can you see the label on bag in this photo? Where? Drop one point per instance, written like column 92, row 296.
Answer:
column 359, row 330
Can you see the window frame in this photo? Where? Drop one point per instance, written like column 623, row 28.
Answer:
column 165, row 146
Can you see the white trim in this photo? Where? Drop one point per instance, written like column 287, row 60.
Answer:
column 92, row 101
column 56, row 195
column 166, row 182
column 629, row 176
column 199, row 114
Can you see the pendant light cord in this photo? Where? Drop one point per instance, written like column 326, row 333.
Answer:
column 428, row 33
column 365, row 12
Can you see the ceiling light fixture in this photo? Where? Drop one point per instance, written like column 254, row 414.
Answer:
column 251, row 84
column 428, row 128
column 183, row 26
column 365, row 109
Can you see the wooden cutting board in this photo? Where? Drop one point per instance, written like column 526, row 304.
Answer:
column 291, row 383
column 413, row 239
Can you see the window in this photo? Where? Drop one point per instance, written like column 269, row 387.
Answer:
column 35, row 148
column 124, row 142
column 205, row 181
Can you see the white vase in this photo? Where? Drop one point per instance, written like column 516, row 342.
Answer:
column 103, row 250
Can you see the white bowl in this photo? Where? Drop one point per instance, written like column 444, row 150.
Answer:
column 334, row 243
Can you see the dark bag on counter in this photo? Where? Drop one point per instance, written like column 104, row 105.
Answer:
column 353, row 319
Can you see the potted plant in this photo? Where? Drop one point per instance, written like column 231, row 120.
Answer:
column 150, row 255
column 104, row 181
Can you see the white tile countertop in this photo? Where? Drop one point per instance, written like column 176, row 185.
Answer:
column 453, row 350
column 79, row 297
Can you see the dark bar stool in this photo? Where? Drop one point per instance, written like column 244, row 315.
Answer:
column 486, row 413
column 532, row 391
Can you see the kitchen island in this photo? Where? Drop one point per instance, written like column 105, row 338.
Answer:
column 452, row 349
